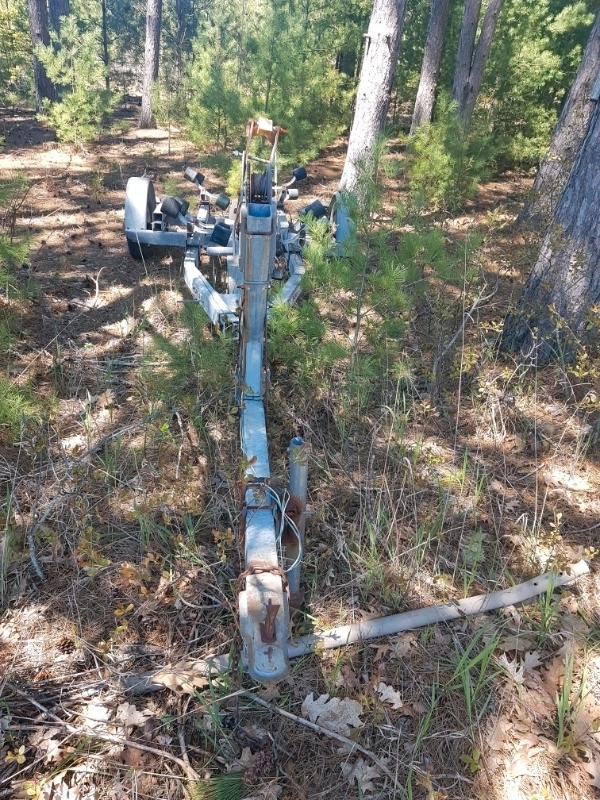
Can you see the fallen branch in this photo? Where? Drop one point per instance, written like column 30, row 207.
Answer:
column 320, row 729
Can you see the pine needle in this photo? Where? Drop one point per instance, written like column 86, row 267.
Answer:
column 229, row 786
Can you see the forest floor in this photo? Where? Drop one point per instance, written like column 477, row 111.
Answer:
column 119, row 464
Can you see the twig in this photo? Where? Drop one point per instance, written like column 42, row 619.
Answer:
column 320, row 729
column 468, row 315
column 181, row 732
column 112, row 738
column 180, row 423
column 97, row 282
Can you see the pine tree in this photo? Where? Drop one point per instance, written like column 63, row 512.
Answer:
column 374, row 87
column 73, row 62
column 151, row 60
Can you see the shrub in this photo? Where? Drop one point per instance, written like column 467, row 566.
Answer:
column 446, row 162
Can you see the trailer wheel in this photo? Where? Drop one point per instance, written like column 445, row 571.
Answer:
column 140, row 202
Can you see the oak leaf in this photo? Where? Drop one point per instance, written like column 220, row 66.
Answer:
column 361, row 773
column 514, row 669
column 389, row 695
column 128, row 715
column 334, row 714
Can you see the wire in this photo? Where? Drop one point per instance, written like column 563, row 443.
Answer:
column 285, row 520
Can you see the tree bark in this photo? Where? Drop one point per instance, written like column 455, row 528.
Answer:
column 466, row 45
column 470, row 65
column 105, row 57
column 438, row 19
column 564, row 284
column 382, row 43
column 58, row 9
column 38, row 27
column 482, row 51
column 566, row 138
column 151, row 59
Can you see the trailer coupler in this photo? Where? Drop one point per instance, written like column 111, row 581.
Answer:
column 263, row 601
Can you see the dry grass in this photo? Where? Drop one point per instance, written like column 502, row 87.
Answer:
column 123, row 485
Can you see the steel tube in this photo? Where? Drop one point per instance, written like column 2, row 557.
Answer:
column 409, row 620
column 298, row 457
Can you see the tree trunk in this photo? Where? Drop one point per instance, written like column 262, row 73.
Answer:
column 564, row 284
column 438, row 19
column 105, row 57
column 466, row 45
column 482, row 51
column 151, row 55
column 38, row 26
column 566, row 138
column 382, row 44
column 471, row 66
column 58, row 9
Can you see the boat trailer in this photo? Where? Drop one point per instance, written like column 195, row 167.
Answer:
column 260, row 244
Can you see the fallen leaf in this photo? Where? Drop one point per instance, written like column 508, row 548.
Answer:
column 520, row 763
column 246, row 759
column 381, row 650
column 403, row 644
column 269, row 792
column 347, row 679
column 389, row 695
column 567, row 480
column 128, row 715
column 362, row 773
column 586, row 720
column 518, row 641
column 539, row 702
column 334, row 714
column 95, row 715
column 498, row 738
column 181, row 677
column 49, row 748
column 553, row 675
column 270, row 692
column 531, row 661
column 592, row 766
column 118, row 791
column 513, row 668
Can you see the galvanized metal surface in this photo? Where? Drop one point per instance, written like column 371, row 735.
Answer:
column 263, row 243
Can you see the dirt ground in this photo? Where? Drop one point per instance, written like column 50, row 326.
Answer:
column 128, row 509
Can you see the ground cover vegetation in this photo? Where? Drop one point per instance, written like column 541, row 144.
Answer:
column 440, row 468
